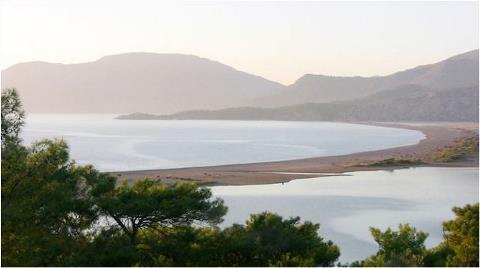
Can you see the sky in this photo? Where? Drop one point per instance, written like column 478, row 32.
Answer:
column 280, row 41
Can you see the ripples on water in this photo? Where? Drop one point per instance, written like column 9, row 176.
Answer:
column 112, row 144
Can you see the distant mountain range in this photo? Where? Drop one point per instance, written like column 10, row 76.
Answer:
column 408, row 103
column 148, row 82
column 456, row 72
column 198, row 88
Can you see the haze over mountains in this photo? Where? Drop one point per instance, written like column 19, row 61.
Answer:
column 409, row 103
column 456, row 72
column 166, row 83
column 147, row 82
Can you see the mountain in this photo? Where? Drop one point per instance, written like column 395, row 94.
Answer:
column 147, row 82
column 460, row 71
column 405, row 103
column 169, row 83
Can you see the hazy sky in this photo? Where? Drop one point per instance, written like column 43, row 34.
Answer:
column 277, row 40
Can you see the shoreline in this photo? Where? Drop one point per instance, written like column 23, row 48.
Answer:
column 437, row 137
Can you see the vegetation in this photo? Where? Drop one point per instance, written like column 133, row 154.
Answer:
column 265, row 240
column 56, row 213
column 461, row 150
column 269, row 240
column 151, row 204
column 461, row 237
column 12, row 116
column 392, row 162
column 405, row 247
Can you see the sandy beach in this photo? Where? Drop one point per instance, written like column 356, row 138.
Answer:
column 437, row 137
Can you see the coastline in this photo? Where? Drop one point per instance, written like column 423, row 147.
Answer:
column 437, row 137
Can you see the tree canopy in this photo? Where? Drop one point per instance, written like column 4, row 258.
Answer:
column 54, row 213
column 12, row 115
column 266, row 239
column 57, row 213
column 150, row 204
column 461, row 236
column 404, row 247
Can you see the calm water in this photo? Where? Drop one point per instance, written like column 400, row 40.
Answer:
column 345, row 206
column 132, row 145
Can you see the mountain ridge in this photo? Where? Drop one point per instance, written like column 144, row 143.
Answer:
column 456, row 71
column 170, row 82
column 409, row 103
column 162, row 83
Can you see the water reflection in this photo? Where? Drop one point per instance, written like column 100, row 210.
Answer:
column 112, row 144
column 346, row 206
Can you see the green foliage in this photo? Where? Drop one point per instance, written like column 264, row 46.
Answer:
column 394, row 162
column 12, row 116
column 46, row 200
column 404, row 247
column 180, row 246
column 462, row 149
column 269, row 240
column 150, row 204
column 266, row 240
column 461, row 236
column 48, row 203
column 52, row 208
column 110, row 247
column 437, row 256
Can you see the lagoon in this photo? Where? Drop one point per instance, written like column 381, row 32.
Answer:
column 119, row 145
column 346, row 206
